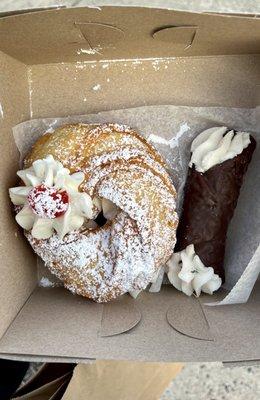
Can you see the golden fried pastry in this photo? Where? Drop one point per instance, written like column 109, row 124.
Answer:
column 79, row 171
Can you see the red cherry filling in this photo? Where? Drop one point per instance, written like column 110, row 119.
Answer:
column 48, row 202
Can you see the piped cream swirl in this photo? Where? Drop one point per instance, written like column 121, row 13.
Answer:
column 216, row 145
column 51, row 174
column 187, row 273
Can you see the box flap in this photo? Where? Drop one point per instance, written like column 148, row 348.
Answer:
column 97, row 35
column 182, row 36
column 195, row 324
column 28, row 10
column 54, row 35
column 80, row 88
column 56, row 323
column 119, row 316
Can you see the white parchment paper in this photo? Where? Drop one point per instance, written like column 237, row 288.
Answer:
column 171, row 130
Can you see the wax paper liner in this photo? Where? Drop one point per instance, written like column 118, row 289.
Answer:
column 171, row 130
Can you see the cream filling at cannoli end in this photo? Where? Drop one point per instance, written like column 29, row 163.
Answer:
column 216, row 145
column 187, row 273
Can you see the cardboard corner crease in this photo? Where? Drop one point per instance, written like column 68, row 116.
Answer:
column 51, row 67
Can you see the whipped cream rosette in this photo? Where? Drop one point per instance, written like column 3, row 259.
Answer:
column 188, row 274
column 50, row 199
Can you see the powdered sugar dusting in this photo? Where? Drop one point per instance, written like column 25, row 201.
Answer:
column 96, row 264
column 47, row 202
column 144, row 197
column 45, row 282
column 127, row 157
column 126, row 253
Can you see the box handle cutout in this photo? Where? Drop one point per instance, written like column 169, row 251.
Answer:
column 177, row 35
column 119, row 316
column 99, row 36
column 187, row 317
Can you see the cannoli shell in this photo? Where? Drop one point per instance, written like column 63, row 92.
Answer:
column 210, row 199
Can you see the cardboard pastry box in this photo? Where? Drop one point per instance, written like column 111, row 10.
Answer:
column 53, row 63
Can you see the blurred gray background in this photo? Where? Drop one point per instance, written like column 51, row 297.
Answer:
column 238, row 6
column 211, row 381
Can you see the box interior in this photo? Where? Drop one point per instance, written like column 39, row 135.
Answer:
column 75, row 61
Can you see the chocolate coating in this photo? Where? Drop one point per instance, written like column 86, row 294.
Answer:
column 210, row 199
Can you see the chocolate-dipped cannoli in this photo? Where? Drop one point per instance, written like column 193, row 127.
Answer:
column 219, row 160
